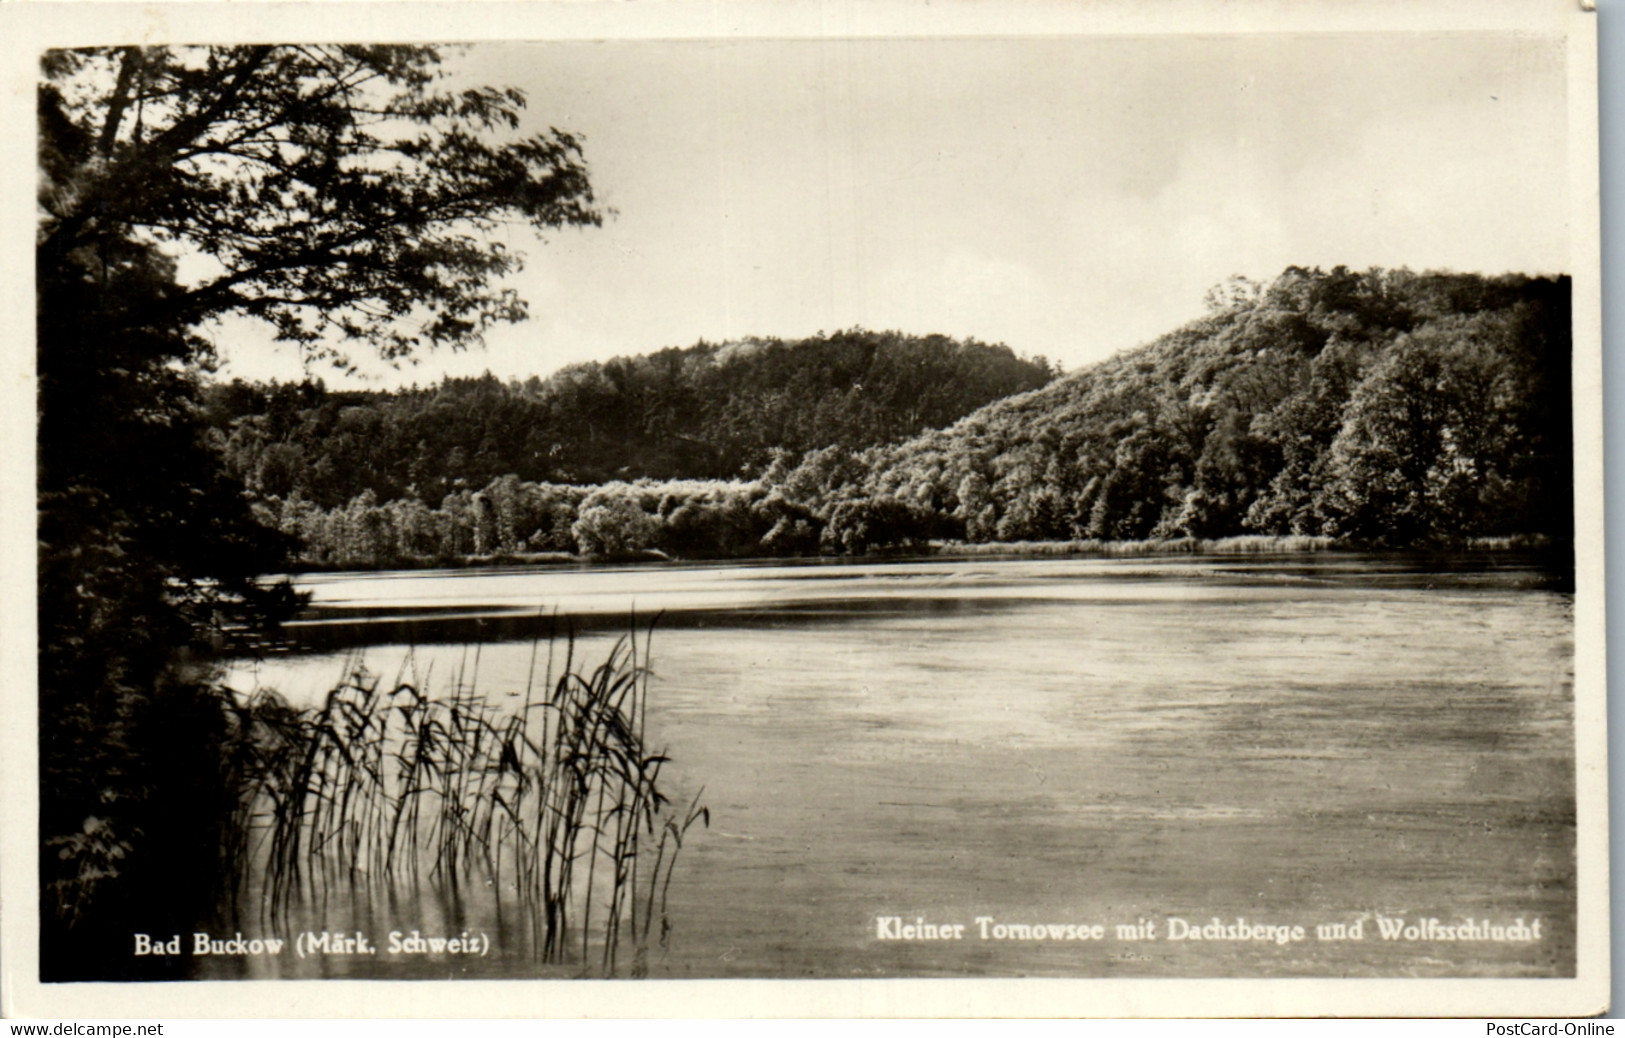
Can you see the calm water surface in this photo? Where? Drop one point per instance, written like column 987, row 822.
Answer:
column 1292, row 741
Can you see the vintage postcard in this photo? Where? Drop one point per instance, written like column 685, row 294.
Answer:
column 837, row 509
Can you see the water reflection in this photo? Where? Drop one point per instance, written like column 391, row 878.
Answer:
column 1084, row 740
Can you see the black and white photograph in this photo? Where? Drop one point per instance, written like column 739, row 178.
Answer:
column 1074, row 497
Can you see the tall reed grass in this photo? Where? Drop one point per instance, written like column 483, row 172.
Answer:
column 554, row 803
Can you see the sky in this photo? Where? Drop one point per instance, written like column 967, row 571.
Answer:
column 1069, row 197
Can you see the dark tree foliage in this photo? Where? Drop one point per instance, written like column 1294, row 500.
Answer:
column 858, row 526
column 337, row 193
column 704, row 412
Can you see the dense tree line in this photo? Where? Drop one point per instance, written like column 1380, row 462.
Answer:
column 703, row 412
column 511, row 519
column 1381, row 408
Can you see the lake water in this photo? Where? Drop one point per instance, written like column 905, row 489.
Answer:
column 1292, row 742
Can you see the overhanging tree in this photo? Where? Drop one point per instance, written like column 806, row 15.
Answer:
column 350, row 197
column 340, row 193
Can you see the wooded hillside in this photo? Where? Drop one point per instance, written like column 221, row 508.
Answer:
column 1382, row 406
column 701, row 412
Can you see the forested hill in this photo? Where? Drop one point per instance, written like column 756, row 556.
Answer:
column 1383, row 406
column 1375, row 408
column 705, row 411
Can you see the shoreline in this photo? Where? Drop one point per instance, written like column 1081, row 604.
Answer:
column 1261, row 546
